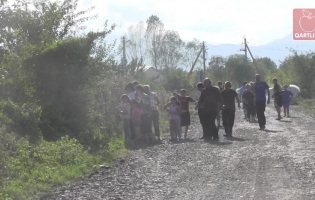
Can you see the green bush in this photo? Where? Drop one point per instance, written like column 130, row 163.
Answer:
column 307, row 105
column 176, row 79
column 36, row 168
column 23, row 119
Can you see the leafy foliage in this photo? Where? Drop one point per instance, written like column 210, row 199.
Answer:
column 305, row 69
column 176, row 79
column 57, row 97
column 36, row 168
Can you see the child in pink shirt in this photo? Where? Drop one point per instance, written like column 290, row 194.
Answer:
column 174, row 109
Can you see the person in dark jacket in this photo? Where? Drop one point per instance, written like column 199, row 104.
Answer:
column 228, row 113
column 212, row 102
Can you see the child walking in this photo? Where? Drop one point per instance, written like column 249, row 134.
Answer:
column 248, row 99
column 228, row 113
column 174, row 109
column 286, row 100
column 125, row 115
column 185, row 115
column 136, row 118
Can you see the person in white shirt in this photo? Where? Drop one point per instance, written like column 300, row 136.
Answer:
column 130, row 91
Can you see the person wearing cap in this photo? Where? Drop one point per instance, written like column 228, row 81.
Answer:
column 185, row 115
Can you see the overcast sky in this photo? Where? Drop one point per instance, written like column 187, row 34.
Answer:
column 218, row 21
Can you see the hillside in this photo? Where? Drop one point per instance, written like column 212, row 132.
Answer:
column 276, row 50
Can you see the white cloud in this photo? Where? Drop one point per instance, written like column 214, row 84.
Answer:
column 224, row 21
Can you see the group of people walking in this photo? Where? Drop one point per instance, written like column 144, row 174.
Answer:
column 254, row 100
column 139, row 108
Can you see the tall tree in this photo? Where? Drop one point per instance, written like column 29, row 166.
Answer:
column 191, row 50
column 154, row 36
column 48, row 22
column 217, row 70
column 171, row 51
column 136, row 47
column 304, row 65
column 239, row 70
column 270, row 65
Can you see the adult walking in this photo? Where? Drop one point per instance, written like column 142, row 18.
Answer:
column 212, row 102
column 199, row 106
column 228, row 113
column 146, row 116
column 253, row 91
column 260, row 88
column 277, row 96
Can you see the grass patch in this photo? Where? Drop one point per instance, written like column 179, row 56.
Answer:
column 308, row 105
column 35, row 169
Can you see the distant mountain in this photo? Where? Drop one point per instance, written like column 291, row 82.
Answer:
column 276, row 50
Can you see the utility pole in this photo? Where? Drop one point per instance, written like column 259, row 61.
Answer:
column 201, row 76
column 193, row 66
column 245, row 48
column 204, row 60
column 124, row 61
column 254, row 61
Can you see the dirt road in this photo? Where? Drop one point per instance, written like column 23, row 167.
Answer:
column 276, row 164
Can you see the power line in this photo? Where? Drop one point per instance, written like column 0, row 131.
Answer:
column 222, row 44
column 267, row 42
column 271, row 49
column 248, row 43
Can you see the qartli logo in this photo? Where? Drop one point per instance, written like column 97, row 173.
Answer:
column 303, row 24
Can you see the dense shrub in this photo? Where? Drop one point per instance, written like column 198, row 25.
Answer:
column 23, row 119
column 35, row 168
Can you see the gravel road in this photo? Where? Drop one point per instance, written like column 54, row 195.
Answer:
column 260, row 165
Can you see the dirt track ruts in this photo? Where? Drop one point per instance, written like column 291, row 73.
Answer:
column 276, row 164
